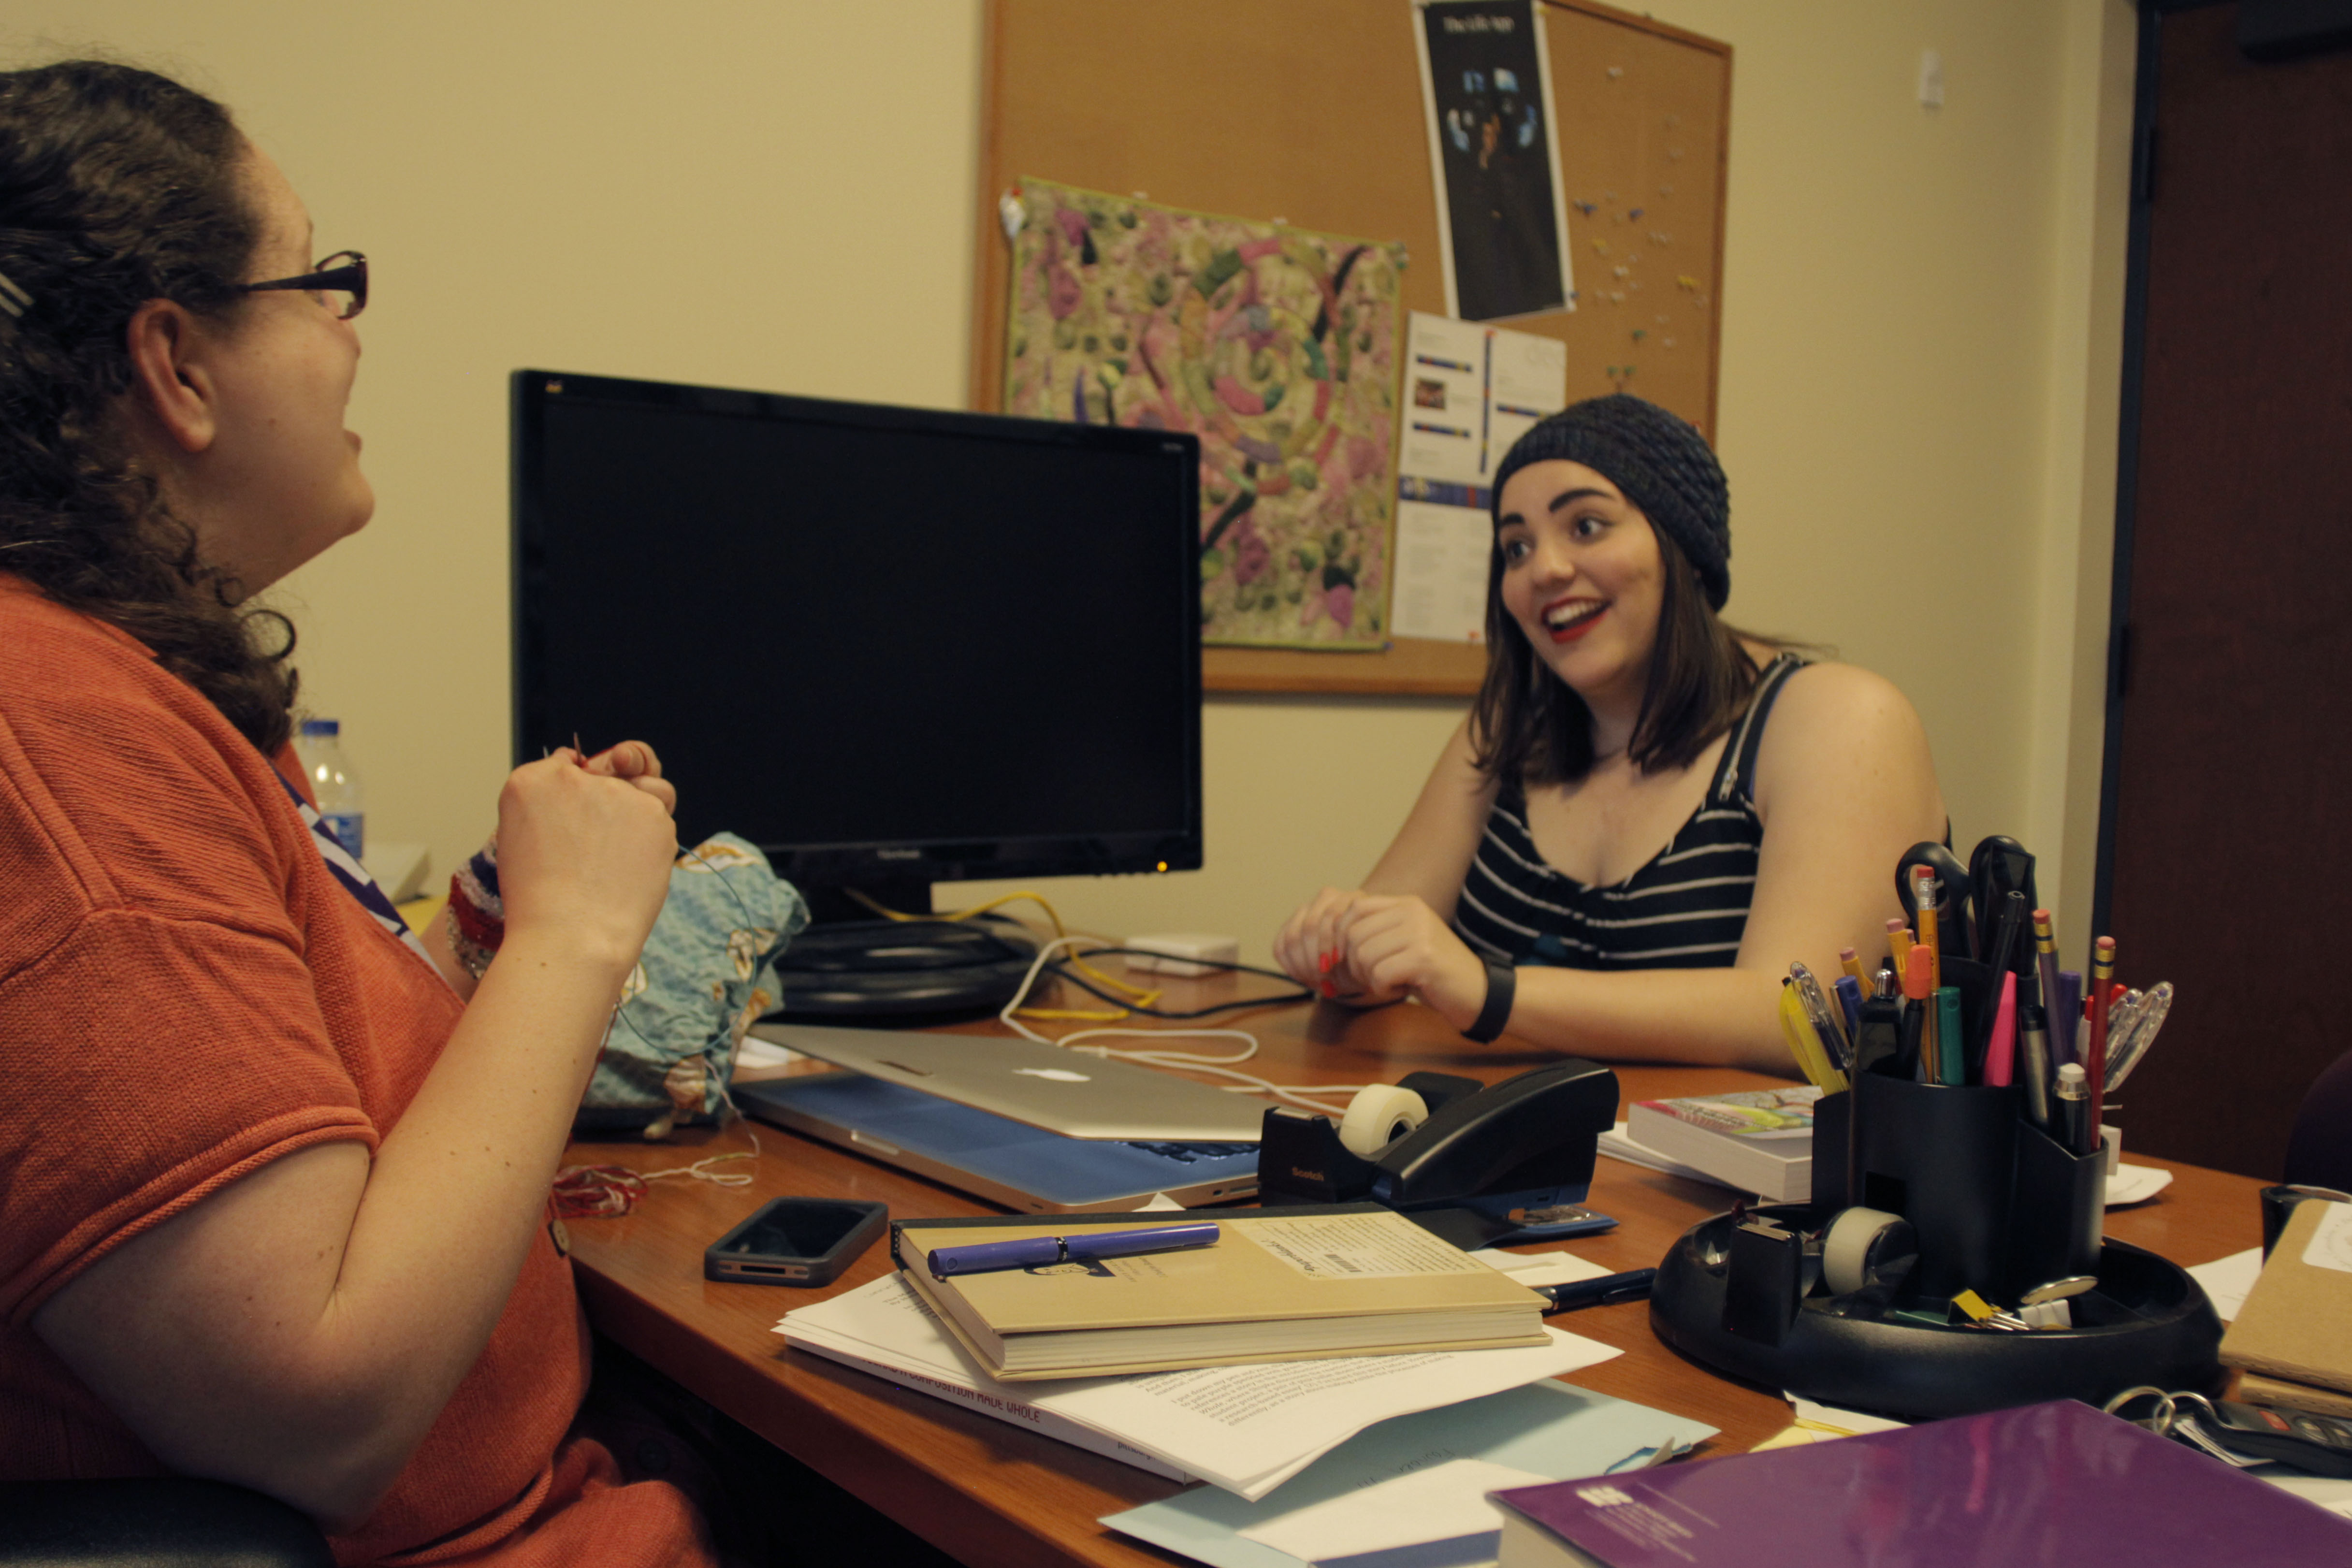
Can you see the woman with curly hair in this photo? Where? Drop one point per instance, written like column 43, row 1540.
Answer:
column 273, row 1176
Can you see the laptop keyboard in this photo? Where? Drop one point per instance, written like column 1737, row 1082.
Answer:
column 1191, row 1153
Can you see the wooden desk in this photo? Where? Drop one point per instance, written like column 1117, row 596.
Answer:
column 992, row 1494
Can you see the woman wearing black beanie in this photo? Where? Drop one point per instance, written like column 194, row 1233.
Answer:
column 1617, row 853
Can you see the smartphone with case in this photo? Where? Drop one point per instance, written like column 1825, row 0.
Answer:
column 797, row 1241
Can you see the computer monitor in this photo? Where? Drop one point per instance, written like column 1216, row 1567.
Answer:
column 891, row 647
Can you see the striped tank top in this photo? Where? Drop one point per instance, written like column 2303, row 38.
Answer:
column 1686, row 908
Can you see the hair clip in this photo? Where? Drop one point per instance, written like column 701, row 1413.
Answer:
column 13, row 299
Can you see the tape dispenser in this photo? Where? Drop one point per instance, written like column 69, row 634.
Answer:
column 1475, row 1163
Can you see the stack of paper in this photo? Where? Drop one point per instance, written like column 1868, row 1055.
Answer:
column 1244, row 1428
column 1410, row 1483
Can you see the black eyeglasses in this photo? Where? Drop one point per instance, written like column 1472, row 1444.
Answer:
column 340, row 283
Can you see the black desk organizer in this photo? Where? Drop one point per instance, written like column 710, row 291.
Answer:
column 1997, row 1208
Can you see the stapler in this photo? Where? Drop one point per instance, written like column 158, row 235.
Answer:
column 1509, row 1161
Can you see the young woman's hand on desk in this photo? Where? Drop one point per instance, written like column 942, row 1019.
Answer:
column 1368, row 949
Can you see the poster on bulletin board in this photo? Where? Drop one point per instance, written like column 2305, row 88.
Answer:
column 1277, row 347
column 1485, row 83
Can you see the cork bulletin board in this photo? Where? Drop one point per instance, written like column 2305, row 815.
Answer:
column 1310, row 113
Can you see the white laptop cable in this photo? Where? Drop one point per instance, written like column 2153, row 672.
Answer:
column 1307, row 1095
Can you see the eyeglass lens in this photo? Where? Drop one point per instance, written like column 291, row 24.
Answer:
column 347, row 301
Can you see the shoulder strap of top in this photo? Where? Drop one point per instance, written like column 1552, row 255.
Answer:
column 1735, row 776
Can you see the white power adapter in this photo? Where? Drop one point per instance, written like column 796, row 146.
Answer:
column 1181, row 953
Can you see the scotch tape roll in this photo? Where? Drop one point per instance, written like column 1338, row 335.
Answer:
column 1859, row 1239
column 1378, row 1117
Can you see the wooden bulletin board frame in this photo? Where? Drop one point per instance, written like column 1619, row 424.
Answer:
column 1309, row 112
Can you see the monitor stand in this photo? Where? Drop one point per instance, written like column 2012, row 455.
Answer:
column 849, row 967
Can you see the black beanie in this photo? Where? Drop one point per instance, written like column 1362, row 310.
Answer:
column 1663, row 466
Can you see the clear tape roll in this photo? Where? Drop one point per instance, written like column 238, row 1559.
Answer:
column 1846, row 1250
column 1378, row 1117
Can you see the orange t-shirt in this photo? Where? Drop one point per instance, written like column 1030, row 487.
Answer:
column 185, row 994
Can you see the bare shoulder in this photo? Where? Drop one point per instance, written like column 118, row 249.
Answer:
column 1841, row 733
column 1822, row 697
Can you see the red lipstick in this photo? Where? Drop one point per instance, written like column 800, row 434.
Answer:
column 1575, row 629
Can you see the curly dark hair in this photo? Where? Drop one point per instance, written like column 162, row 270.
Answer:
column 118, row 186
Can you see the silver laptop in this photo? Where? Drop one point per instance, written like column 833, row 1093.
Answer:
column 1068, row 1093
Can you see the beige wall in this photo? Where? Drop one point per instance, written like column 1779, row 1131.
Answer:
column 1919, row 351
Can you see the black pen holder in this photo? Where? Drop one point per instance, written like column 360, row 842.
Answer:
column 1998, row 1205
column 1995, row 1205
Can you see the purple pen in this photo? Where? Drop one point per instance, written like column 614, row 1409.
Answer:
column 2066, row 1019
column 1084, row 1247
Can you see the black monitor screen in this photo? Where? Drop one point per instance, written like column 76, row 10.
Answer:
column 885, row 645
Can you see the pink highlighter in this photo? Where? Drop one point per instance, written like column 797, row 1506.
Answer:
column 2001, row 1055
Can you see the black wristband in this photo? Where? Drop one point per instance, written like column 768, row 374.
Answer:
column 1502, row 990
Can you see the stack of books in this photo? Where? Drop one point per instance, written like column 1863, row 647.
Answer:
column 1359, row 1280
column 2292, row 1340
column 1760, row 1141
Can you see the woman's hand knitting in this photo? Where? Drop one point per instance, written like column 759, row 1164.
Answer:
column 584, row 852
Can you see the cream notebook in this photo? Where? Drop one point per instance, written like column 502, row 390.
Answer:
column 1274, row 1288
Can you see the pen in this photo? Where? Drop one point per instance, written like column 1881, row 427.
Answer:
column 2002, row 1051
column 2123, row 1011
column 2124, row 1057
column 1918, row 1047
column 1044, row 1251
column 2073, row 1110
column 1825, row 1019
column 1950, row 1059
column 2008, row 924
column 1849, row 1000
column 1605, row 1291
column 2094, row 1052
column 1806, row 1046
column 2065, row 1017
column 2033, row 1043
column 1878, row 1037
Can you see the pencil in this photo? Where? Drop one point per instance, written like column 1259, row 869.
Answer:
column 1924, row 890
column 2095, row 1044
column 1850, row 961
column 2046, row 958
column 1898, row 944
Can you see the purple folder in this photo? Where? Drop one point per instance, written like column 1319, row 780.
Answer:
column 2043, row 1486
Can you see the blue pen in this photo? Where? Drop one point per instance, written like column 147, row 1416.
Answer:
column 1849, row 995
column 1085, row 1247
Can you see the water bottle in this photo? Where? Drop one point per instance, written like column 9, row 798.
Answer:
column 320, row 748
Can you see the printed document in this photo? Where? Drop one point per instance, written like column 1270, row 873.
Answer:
column 1244, row 1428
